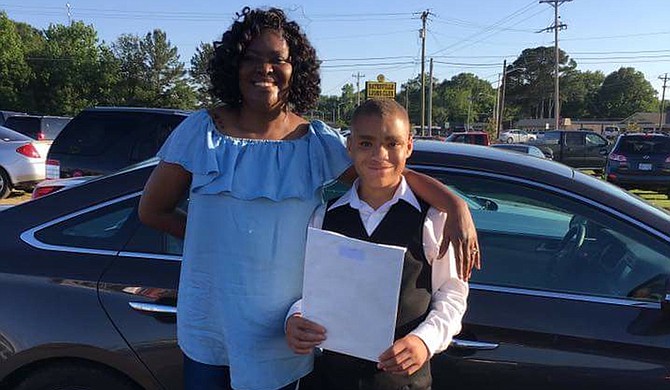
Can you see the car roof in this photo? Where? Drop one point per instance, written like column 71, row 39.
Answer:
column 140, row 109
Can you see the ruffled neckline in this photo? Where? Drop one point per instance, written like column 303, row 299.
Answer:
column 215, row 131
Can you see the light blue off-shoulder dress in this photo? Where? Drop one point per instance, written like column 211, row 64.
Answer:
column 250, row 204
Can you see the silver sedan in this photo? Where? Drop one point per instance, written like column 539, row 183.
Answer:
column 22, row 161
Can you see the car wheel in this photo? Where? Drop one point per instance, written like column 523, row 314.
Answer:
column 75, row 376
column 510, row 140
column 5, row 184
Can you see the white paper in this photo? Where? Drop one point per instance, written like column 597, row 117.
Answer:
column 351, row 287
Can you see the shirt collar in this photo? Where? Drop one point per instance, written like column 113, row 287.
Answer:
column 351, row 197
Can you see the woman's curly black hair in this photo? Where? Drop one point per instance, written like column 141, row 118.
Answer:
column 223, row 68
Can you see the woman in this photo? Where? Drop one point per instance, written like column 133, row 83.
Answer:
column 255, row 170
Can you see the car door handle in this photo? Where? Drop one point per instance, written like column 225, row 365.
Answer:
column 153, row 308
column 469, row 344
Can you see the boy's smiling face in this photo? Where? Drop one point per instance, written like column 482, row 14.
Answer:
column 379, row 147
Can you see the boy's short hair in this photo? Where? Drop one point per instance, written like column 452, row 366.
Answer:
column 380, row 107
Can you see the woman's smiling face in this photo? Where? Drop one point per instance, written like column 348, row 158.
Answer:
column 265, row 71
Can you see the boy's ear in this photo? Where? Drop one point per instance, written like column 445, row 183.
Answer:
column 410, row 146
column 349, row 141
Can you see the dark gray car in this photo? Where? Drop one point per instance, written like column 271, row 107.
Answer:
column 573, row 292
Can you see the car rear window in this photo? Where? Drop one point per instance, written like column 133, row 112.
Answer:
column 8, row 135
column 91, row 133
column 29, row 126
column 644, row 145
column 53, row 126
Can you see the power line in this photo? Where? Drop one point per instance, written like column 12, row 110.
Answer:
column 499, row 22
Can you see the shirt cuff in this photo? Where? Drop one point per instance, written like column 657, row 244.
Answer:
column 296, row 308
column 431, row 337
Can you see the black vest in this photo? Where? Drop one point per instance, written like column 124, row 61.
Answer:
column 402, row 226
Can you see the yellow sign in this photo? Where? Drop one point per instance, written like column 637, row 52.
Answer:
column 379, row 90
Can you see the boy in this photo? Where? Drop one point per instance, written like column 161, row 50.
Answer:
column 381, row 208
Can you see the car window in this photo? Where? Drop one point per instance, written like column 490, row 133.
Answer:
column 573, row 138
column 533, row 151
column 595, row 140
column 104, row 228
column 51, row 127
column 535, row 239
column 27, row 125
column 644, row 145
column 150, row 141
column 92, row 133
column 150, row 240
column 479, row 139
column 551, row 137
column 7, row 135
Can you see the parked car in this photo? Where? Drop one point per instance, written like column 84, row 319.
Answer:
column 516, row 136
column 640, row 161
column 37, row 127
column 572, row 294
column 4, row 114
column 101, row 140
column 524, row 149
column 611, row 132
column 21, row 161
column 576, row 148
column 469, row 137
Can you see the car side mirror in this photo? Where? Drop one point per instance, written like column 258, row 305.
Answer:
column 603, row 152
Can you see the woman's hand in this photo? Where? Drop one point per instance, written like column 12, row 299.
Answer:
column 303, row 335
column 405, row 356
column 461, row 233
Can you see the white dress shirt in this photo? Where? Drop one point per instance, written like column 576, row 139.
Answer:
column 449, row 293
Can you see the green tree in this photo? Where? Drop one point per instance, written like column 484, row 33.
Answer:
column 151, row 73
column 14, row 71
column 167, row 77
column 530, row 81
column 200, row 76
column 465, row 94
column 625, row 92
column 72, row 71
column 581, row 92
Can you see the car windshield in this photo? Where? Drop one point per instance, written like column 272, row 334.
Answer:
column 644, row 145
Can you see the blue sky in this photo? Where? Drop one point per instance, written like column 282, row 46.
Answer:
column 375, row 37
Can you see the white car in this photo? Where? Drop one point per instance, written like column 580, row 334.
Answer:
column 22, row 161
column 515, row 136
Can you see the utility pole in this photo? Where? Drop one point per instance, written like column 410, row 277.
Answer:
column 556, row 27
column 501, row 111
column 497, row 106
column 430, row 100
column 424, row 17
column 358, row 76
column 660, row 114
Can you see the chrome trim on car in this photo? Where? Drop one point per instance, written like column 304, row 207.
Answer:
column 566, row 296
column 156, row 256
column 550, row 188
column 469, row 344
column 29, row 235
column 153, row 308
